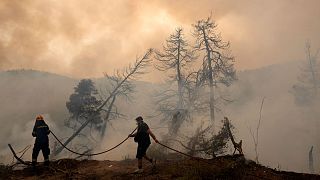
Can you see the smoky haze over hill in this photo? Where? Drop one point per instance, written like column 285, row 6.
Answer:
column 286, row 133
column 204, row 79
column 85, row 38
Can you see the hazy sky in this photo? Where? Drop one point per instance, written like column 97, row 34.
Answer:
column 84, row 38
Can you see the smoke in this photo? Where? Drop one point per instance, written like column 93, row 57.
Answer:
column 286, row 133
column 24, row 95
column 19, row 136
column 287, row 130
column 85, row 38
column 82, row 38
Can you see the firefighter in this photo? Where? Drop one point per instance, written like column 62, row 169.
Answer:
column 142, row 137
column 40, row 132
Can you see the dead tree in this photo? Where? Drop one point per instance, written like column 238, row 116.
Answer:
column 198, row 143
column 174, row 57
column 237, row 146
column 204, row 142
column 193, row 84
column 108, row 114
column 306, row 90
column 217, row 66
column 255, row 137
column 122, row 84
column 311, row 167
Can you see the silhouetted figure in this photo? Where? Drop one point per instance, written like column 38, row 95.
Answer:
column 40, row 131
column 142, row 137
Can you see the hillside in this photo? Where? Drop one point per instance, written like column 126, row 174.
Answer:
column 226, row 167
column 25, row 93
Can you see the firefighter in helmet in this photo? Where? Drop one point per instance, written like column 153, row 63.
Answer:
column 40, row 132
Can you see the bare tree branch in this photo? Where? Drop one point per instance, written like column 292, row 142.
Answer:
column 129, row 73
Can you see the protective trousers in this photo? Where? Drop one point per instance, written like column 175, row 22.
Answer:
column 44, row 147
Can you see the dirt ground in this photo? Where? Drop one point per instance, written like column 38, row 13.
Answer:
column 226, row 167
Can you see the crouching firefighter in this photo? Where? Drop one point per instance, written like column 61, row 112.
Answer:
column 142, row 137
column 40, row 132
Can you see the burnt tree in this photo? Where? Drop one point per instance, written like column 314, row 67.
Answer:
column 255, row 136
column 306, row 90
column 204, row 142
column 311, row 166
column 237, row 146
column 217, row 66
column 121, row 85
column 174, row 58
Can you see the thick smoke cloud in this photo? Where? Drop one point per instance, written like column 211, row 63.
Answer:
column 83, row 38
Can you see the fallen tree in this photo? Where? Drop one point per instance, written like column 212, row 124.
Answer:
column 204, row 142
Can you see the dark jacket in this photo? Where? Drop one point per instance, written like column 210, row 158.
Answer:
column 142, row 136
column 41, row 131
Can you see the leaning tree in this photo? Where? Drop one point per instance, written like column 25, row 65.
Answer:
column 121, row 84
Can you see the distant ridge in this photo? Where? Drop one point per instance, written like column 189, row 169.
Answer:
column 31, row 72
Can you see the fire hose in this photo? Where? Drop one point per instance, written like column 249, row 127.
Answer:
column 108, row 150
column 27, row 163
column 92, row 154
column 103, row 152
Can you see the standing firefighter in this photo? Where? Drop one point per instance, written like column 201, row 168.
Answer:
column 40, row 131
column 142, row 137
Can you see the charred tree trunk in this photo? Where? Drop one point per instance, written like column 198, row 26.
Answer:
column 256, row 137
column 211, row 83
column 177, row 116
column 75, row 134
column 217, row 61
column 103, row 130
column 237, row 146
column 311, row 167
column 312, row 66
column 174, row 57
column 179, row 79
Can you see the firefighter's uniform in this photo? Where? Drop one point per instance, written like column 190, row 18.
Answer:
column 40, row 131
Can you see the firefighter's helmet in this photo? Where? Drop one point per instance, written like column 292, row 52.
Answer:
column 39, row 117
